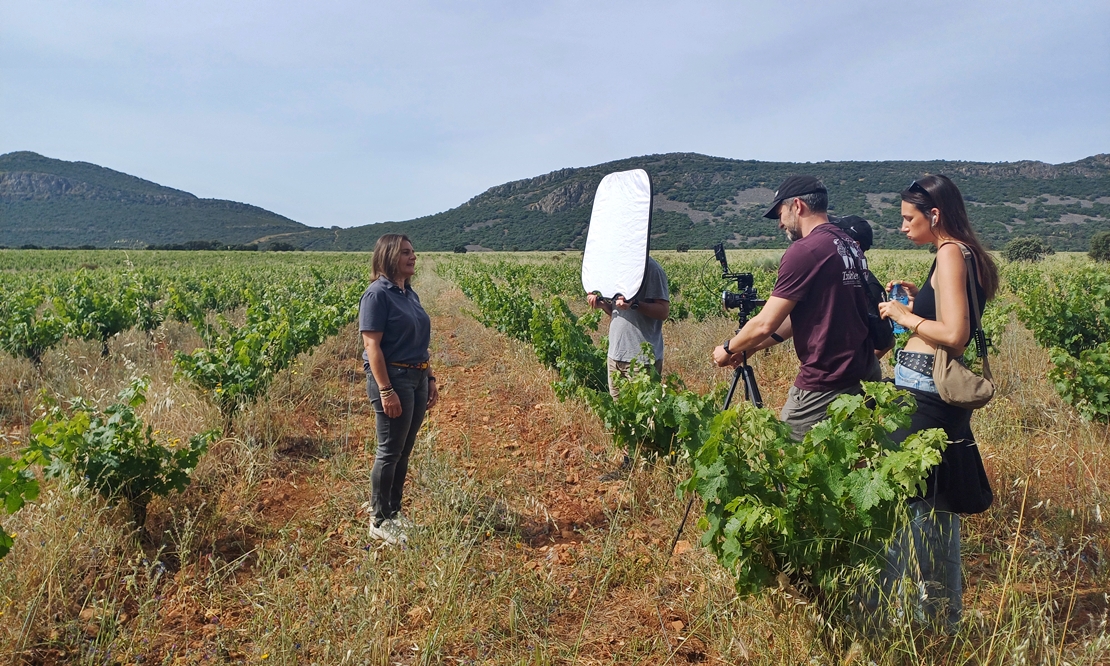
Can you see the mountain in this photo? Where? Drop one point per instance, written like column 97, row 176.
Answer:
column 50, row 202
column 699, row 200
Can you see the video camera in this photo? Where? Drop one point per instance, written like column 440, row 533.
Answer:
column 745, row 299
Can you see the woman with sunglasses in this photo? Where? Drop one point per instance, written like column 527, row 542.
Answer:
column 396, row 333
column 933, row 212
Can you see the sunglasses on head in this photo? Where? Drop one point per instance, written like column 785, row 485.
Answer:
column 918, row 187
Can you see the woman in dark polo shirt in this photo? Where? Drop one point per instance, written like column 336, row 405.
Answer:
column 395, row 332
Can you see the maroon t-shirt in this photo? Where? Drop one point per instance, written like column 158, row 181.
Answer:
column 822, row 273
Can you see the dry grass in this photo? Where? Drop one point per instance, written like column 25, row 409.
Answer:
column 525, row 557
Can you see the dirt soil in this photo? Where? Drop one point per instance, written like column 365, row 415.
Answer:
column 520, row 440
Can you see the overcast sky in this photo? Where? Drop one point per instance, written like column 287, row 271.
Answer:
column 347, row 113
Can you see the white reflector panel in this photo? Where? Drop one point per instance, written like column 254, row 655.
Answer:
column 617, row 240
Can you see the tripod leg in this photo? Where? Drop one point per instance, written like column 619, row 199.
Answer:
column 736, row 374
column 732, row 388
column 750, row 387
column 751, row 392
column 674, row 541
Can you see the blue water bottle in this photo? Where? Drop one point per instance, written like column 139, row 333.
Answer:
column 898, row 293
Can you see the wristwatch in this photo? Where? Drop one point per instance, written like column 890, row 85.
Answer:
column 635, row 305
column 727, row 350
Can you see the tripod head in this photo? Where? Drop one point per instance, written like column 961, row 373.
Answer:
column 745, row 299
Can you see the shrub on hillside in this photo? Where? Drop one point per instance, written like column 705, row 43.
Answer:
column 1026, row 248
column 1100, row 246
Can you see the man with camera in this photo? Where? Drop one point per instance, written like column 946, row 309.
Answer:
column 819, row 300
column 634, row 322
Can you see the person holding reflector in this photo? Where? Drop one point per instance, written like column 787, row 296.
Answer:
column 620, row 278
column 636, row 321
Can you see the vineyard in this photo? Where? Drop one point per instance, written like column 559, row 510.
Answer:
column 186, row 449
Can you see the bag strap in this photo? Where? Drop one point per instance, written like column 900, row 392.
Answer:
column 978, row 334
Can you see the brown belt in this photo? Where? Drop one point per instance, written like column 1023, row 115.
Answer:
column 411, row 366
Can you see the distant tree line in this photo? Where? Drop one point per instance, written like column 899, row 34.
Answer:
column 205, row 245
column 32, row 246
column 217, row 245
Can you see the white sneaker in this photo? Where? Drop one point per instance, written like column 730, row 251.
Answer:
column 390, row 532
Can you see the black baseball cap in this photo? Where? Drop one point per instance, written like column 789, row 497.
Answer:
column 856, row 227
column 794, row 186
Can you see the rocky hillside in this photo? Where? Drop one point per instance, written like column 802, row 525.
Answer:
column 699, row 201
column 702, row 200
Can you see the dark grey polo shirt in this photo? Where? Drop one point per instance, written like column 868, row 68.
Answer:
column 406, row 329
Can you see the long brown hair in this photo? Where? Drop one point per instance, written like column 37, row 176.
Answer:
column 938, row 191
column 387, row 256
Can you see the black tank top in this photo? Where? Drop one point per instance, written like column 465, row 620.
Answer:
column 925, row 305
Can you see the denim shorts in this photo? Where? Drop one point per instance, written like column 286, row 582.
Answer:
column 906, row 378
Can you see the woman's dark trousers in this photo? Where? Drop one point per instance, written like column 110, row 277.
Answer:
column 396, row 438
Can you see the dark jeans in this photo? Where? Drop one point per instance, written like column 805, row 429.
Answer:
column 927, row 553
column 921, row 576
column 396, row 437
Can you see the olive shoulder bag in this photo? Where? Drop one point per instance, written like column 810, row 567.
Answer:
column 955, row 382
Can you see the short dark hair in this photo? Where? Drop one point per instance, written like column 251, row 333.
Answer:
column 817, row 202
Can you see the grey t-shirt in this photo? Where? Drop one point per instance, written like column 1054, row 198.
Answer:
column 629, row 328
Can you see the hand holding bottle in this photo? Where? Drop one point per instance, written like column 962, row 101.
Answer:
column 900, row 294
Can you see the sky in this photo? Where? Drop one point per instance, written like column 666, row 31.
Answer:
column 348, row 113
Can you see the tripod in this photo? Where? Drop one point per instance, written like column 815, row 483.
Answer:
column 751, row 394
